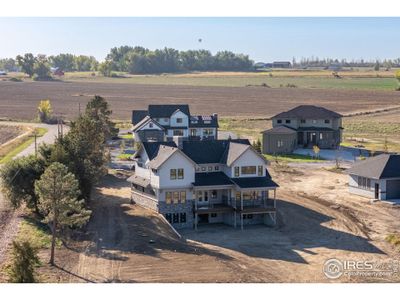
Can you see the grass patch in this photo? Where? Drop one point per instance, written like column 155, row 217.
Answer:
column 37, row 233
column 8, row 152
column 244, row 128
column 127, row 136
column 393, row 239
column 292, row 158
column 124, row 156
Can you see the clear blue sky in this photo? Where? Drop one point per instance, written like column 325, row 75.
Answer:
column 264, row 39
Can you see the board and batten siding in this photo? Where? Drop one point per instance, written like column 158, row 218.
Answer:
column 248, row 158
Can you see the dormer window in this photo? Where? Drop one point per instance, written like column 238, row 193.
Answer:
column 314, row 121
column 327, row 121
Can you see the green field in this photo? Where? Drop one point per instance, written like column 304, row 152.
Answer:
column 301, row 79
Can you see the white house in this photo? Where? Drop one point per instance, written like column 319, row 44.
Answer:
column 214, row 181
column 164, row 122
column 376, row 177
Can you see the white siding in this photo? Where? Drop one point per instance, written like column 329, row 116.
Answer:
column 176, row 161
column 179, row 114
column 249, row 158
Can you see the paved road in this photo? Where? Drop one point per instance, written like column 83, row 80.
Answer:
column 9, row 219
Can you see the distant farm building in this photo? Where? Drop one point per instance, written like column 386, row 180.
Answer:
column 57, row 71
column 275, row 64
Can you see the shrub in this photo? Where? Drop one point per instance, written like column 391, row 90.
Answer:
column 24, row 261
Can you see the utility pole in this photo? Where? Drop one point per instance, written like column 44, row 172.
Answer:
column 36, row 150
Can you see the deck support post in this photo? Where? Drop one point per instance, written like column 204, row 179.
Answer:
column 241, row 221
column 234, row 220
column 195, row 221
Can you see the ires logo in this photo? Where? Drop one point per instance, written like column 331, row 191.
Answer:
column 334, row 268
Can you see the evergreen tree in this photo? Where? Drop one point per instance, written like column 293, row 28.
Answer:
column 24, row 261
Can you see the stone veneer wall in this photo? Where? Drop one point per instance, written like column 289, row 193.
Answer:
column 144, row 200
column 186, row 207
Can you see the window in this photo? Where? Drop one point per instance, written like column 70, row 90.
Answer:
column 247, row 216
column 208, row 132
column 180, row 174
column 168, row 217
column 179, row 120
column 279, row 121
column 213, row 194
column 287, row 121
column 168, row 197
column 176, row 197
column 280, row 144
column 193, row 132
column 203, row 169
column 236, row 171
column 364, row 183
column 177, row 132
column 175, row 218
column 327, row 121
column 314, row 121
column 248, row 170
column 210, row 168
column 321, row 136
column 151, row 125
column 238, row 196
column 260, row 171
column 183, row 197
column 247, row 195
column 214, row 215
column 182, row 217
column 172, row 174
column 302, row 121
column 216, row 168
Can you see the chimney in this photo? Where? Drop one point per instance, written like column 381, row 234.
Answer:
column 178, row 140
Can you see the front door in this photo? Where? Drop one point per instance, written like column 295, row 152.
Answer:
column 376, row 190
column 313, row 138
column 300, row 138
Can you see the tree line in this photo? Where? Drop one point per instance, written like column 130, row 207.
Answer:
column 140, row 60
column 56, row 183
column 354, row 63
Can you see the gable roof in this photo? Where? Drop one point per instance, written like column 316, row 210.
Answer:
column 166, row 110
column 152, row 148
column 233, row 152
column 209, row 152
column 138, row 115
column 163, row 154
column 143, row 122
column 379, row 167
column 308, row 112
column 282, row 129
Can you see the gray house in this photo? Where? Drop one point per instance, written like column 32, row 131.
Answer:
column 303, row 127
column 376, row 177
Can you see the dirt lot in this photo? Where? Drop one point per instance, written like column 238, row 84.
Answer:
column 227, row 101
column 130, row 244
column 8, row 133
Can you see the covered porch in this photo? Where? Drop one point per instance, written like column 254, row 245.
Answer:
column 255, row 196
column 211, row 197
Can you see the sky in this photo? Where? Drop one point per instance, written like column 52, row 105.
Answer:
column 263, row 39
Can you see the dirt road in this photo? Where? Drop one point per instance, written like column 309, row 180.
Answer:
column 131, row 244
column 9, row 219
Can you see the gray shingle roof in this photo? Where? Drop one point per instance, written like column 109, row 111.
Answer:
column 143, row 121
column 138, row 115
column 164, row 152
column 378, row 167
column 211, row 178
column 144, row 182
column 308, row 112
column 166, row 110
column 152, row 148
column 233, row 151
column 209, row 152
column 280, row 130
column 254, row 182
column 203, row 121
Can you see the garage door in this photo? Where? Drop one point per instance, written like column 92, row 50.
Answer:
column 393, row 189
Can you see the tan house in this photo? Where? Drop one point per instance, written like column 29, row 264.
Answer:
column 303, row 127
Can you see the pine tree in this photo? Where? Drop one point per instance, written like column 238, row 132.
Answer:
column 24, row 261
column 58, row 192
